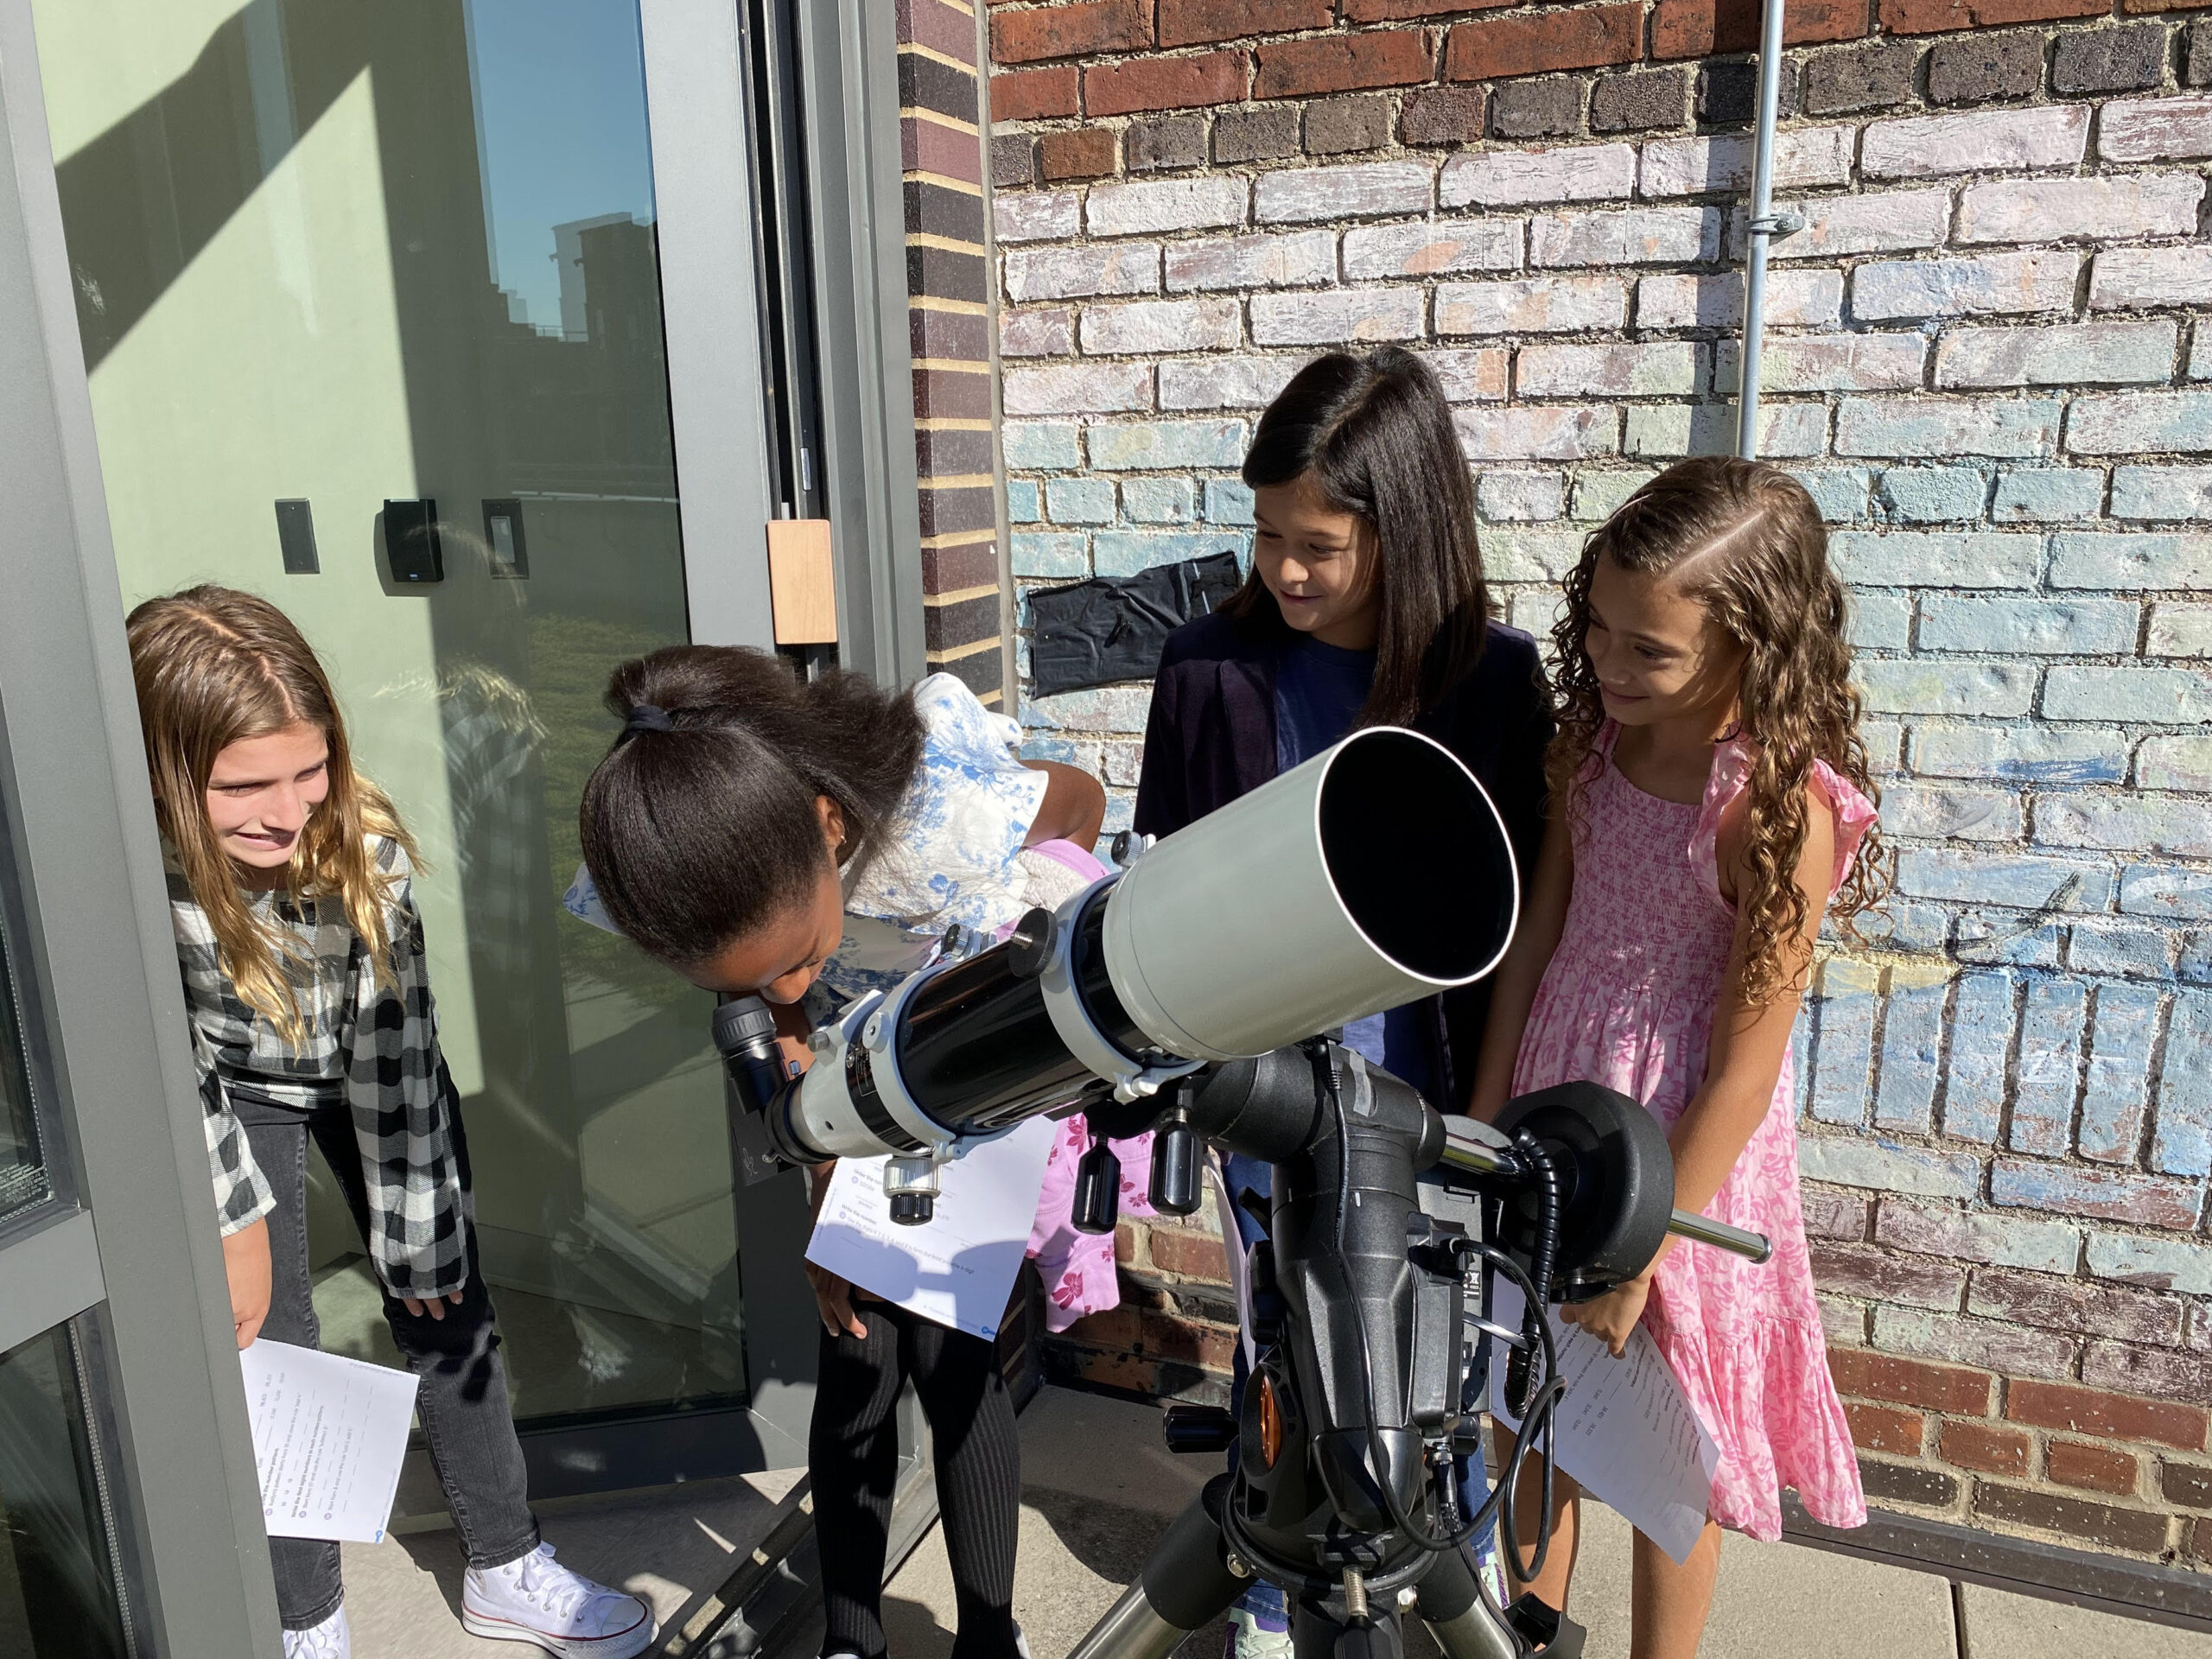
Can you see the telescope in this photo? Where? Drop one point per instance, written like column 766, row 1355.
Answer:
column 1196, row 992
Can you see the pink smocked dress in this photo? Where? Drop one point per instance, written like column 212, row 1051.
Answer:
column 1628, row 1002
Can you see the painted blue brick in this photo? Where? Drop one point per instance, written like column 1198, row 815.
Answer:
column 2007, row 939
column 1121, row 814
column 2154, row 697
column 2027, row 883
column 1888, row 1167
column 2133, row 949
column 1915, row 927
column 2028, row 495
column 1229, row 501
column 1053, row 748
column 2080, row 627
column 2049, row 1073
column 1022, row 506
column 1041, row 446
column 1981, row 1035
column 1159, row 500
column 1843, row 1043
column 1158, row 446
column 2166, row 890
column 1048, row 554
column 1933, row 495
column 1880, row 621
column 2117, row 1090
column 2039, row 754
column 1125, row 552
column 2195, row 967
column 1912, row 1041
column 1080, row 500
column 1839, row 491
column 2181, row 1143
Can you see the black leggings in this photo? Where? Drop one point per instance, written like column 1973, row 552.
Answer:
column 852, row 1456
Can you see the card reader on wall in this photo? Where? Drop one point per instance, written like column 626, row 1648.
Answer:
column 410, row 541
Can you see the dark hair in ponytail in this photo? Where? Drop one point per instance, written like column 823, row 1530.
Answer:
column 1376, row 434
column 700, row 824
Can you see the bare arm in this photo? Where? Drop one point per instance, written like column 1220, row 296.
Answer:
column 1543, row 917
column 1074, row 808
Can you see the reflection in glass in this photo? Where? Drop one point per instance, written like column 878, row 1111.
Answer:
column 404, row 250
column 22, row 1173
column 57, row 1577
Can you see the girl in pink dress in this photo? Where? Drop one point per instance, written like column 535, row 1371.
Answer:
column 1710, row 801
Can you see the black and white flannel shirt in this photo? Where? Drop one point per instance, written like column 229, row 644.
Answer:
column 378, row 1042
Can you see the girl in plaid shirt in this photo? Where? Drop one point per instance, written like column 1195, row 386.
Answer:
column 291, row 898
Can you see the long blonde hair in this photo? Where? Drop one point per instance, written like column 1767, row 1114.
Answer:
column 214, row 667
column 1749, row 545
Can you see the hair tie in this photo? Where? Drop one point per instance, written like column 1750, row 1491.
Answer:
column 644, row 717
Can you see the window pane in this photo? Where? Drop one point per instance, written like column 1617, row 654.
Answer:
column 57, row 1577
column 23, row 1172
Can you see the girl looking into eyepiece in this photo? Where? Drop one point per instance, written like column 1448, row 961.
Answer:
column 1711, row 802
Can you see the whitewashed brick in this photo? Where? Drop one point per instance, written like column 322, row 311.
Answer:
column 2200, row 356
column 1881, row 622
column 1078, row 389
column 1432, row 250
column 1933, row 814
column 1891, row 223
column 1536, row 608
column 2056, row 135
column 2155, row 130
column 1332, row 316
column 1037, row 217
column 1156, row 205
column 2004, row 428
column 2131, row 563
column 1532, row 555
column 1225, row 382
column 1078, row 273
column 1520, row 498
column 1300, row 196
column 2138, row 423
column 1805, row 158
column 1640, row 236
column 2179, row 763
column 1162, row 325
column 1828, row 363
column 2042, row 494
column 1534, row 305
column 1794, row 299
column 1471, row 377
column 2161, row 1263
column 1049, row 333
column 1598, row 495
column 1950, row 288
column 1298, row 260
column 2174, row 492
column 1503, row 178
column 2160, row 697
column 2086, row 354
column 1666, row 431
column 1668, row 369
column 2028, row 628
column 1934, row 558
column 1537, row 433
column 2143, row 276
column 1911, row 686
column 2179, row 631
column 2037, row 754
column 2110, row 209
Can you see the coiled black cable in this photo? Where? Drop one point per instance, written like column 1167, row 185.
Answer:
column 1543, row 1253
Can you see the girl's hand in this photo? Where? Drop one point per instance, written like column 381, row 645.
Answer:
column 436, row 1307
column 245, row 1264
column 833, row 1299
column 1610, row 1317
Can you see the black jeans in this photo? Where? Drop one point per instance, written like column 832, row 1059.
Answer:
column 462, row 1400
column 851, row 1458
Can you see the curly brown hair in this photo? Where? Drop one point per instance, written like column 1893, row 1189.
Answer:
column 1745, row 541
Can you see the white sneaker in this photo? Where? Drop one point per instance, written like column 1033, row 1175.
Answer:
column 537, row 1599
column 328, row 1640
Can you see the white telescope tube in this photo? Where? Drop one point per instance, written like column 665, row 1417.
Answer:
column 1301, row 907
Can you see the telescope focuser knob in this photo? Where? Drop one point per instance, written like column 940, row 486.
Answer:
column 1029, row 947
column 913, row 1208
column 1097, row 1189
column 1198, row 1428
column 1175, row 1151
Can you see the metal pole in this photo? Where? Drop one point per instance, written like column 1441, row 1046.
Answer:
column 1764, row 227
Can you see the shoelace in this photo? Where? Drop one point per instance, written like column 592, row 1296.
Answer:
column 549, row 1586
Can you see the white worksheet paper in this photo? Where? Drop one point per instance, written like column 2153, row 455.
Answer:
column 329, row 1433
column 958, row 1268
column 1626, row 1431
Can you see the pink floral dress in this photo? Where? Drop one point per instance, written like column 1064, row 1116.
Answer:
column 1628, row 1002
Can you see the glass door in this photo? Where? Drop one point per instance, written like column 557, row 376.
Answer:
column 370, row 300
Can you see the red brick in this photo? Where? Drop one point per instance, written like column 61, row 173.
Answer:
column 2078, row 1521
column 1865, row 1375
column 1697, row 29
column 1207, row 1345
column 1034, row 94
column 1072, row 31
column 940, row 27
column 2113, row 1416
column 1193, row 83
column 1199, row 23
column 1984, row 1447
column 1128, row 1241
column 1122, row 1372
column 1885, row 1428
column 1379, row 12
column 1178, row 1249
column 1582, row 39
column 1077, row 153
column 1836, row 1215
column 1933, row 17
column 2096, row 1468
column 1866, row 1270
column 2058, row 1304
column 2189, row 1484
column 1344, row 63
column 1119, row 1330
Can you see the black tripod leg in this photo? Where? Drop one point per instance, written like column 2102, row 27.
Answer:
column 1459, row 1615
column 1315, row 1635
column 1186, row 1584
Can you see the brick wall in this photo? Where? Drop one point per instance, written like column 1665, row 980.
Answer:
column 1988, row 359
column 948, row 282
